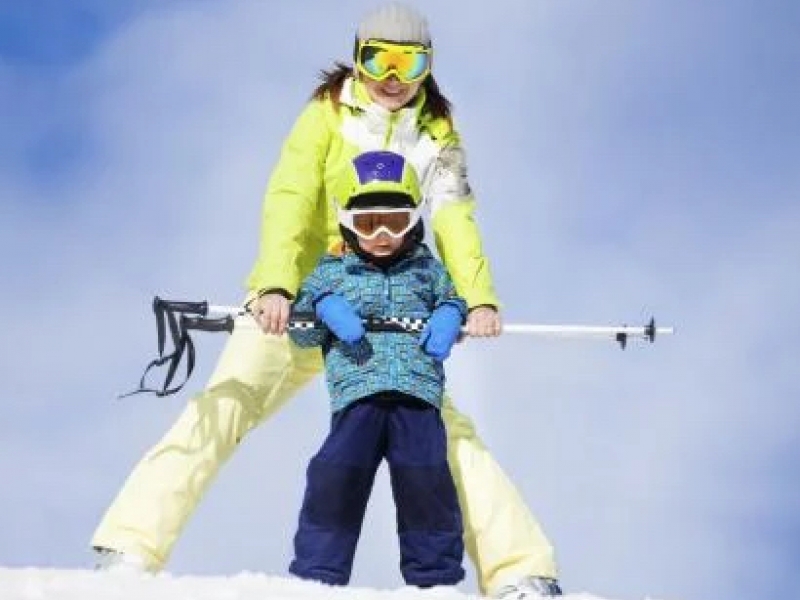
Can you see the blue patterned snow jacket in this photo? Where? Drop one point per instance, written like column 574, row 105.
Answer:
column 412, row 287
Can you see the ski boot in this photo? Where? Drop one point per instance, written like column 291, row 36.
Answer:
column 107, row 559
column 529, row 588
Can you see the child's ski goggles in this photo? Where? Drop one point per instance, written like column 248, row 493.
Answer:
column 369, row 223
column 378, row 60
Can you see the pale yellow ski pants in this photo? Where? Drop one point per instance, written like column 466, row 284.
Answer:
column 255, row 376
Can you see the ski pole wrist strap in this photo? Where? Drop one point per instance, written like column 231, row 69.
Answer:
column 176, row 319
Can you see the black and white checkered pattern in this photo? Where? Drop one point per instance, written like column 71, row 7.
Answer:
column 404, row 323
column 303, row 324
column 373, row 324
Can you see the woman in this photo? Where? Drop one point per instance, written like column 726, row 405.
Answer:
column 387, row 100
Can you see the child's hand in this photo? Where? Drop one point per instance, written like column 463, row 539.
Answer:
column 341, row 318
column 441, row 332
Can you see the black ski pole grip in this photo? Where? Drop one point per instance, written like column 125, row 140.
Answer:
column 192, row 308
column 206, row 324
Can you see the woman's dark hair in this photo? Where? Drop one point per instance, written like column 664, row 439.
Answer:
column 332, row 80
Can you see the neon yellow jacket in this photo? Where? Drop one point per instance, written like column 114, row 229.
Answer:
column 299, row 219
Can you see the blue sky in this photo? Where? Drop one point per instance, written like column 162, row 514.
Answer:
column 629, row 159
column 53, row 33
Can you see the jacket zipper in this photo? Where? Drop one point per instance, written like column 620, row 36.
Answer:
column 390, row 129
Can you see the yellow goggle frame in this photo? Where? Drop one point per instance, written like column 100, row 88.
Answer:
column 378, row 60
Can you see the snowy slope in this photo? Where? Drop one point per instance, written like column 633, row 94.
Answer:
column 56, row 584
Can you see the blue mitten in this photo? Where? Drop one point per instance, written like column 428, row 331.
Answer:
column 441, row 331
column 341, row 318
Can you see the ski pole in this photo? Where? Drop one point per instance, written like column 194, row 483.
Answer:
column 176, row 319
column 618, row 333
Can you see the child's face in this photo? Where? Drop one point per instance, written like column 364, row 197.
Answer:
column 382, row 246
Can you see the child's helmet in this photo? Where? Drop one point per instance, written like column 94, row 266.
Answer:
column 378, row 180
column 378, row 172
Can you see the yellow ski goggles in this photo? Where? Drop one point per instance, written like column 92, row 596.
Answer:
column 378, row 60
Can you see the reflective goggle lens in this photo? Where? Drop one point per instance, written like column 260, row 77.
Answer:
column 369, row 223
column 409, row 64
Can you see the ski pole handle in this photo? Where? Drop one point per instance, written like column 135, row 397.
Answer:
column 198, row 323
column 180, row 306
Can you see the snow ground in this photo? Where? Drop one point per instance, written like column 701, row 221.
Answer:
column 62, row 584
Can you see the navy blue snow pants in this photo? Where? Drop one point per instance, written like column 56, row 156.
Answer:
column 410, row 434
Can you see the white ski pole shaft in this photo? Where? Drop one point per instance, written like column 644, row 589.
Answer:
column 649, row 331
column 233, row 311
column 585, row 330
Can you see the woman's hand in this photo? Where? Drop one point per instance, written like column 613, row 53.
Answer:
column 271, row 312
column 484, row 321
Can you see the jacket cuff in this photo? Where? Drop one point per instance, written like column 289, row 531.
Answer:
column 494, row 307
column 319, row 297
column 254, row 295
column 459, row 305
column 280, row 291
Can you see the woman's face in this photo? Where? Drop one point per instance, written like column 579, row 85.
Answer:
column 391, row 93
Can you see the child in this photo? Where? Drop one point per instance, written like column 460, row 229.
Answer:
column 386, row 387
